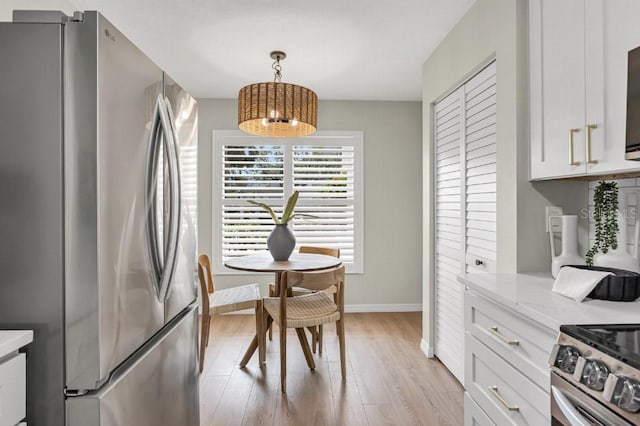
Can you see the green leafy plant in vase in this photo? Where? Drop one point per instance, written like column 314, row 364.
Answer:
column 281, row 241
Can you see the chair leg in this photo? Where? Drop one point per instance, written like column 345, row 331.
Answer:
column 283, row 360
column 260, row 332
column 270, row 327
column 268, row 322
column 204, row 330
column 335, row 300
column 343, row 360
column 208, row 332
column 314, row 338
column 320, row 339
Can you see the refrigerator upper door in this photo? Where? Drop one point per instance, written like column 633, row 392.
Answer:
column 112, row 304
column 159, row 388
column 183, row 114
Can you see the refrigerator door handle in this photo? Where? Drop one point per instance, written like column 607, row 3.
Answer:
column 162, row 270
column 150, row 201
column 176, row 198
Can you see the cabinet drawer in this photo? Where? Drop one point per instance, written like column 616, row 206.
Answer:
column 500, row 329
column 496, row 387
column 13, row 390
column 473, row 414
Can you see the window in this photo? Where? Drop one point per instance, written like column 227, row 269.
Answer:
column 326, row 168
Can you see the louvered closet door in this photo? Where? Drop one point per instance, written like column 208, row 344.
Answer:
column 465, row 216
column 480, row 171
column 449, row 325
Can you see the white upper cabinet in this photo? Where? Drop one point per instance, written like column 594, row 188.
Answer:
column 577, row 81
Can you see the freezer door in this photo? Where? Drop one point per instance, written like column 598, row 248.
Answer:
column 183, row 113
column 112, row 297
column 158, row 387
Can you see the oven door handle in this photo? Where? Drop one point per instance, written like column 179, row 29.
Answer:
column 569, row 411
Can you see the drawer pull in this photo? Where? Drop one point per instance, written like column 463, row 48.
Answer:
column 479, row 262
column 494, row 391
column 495, row 331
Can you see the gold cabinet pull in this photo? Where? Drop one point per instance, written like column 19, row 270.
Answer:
column 496, row 333
column 572, row 162
column 494, row 391
column 588, row 143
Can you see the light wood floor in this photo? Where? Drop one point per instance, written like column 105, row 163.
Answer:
column 389, row 380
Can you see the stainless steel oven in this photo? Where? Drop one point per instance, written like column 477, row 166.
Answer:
column 572, row 407
column 595, row 376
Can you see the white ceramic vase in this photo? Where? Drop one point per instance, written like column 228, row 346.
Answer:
column 620, row 258
column 569, row 254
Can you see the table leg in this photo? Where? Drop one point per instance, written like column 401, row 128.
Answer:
column 276, row 292
column 305, row 348
column 258, row 340
column 250, row 351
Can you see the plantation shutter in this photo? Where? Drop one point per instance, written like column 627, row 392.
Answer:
column 189, row 176
column 480, row 171
column 249, row 172
column 324, row 175
column 326, row 170
column 449, row 326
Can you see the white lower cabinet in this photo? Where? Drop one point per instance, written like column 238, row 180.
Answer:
column 473, row 414
column 506, row 373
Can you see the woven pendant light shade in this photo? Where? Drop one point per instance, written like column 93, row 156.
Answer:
column 279, row 110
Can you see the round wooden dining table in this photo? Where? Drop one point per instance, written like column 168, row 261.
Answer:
column 300, row 262
column 263, row 262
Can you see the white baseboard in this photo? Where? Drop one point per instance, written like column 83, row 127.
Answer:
column 382, row 307
column 392, row 307
column 424, row 347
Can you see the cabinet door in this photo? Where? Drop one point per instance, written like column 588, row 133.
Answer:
column 621, row 33
column 557, row 88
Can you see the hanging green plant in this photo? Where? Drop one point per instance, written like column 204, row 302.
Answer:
column 605, row 200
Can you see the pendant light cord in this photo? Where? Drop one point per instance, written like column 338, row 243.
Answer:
column 277, row 75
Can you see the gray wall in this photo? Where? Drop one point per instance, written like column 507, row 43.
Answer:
column 392, row 202
column 495, row 28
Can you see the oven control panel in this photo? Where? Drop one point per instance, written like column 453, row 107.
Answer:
column 599, row 375
column 623, row 391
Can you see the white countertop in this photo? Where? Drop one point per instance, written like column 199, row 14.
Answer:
column 12, row 340
column 530, row 295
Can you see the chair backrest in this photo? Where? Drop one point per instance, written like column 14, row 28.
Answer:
column 315, row 280
column 320, row 250
column 204, row 274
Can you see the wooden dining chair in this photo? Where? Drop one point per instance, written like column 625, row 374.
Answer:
column 307, row 311
column 316, row 333
column 232, row 299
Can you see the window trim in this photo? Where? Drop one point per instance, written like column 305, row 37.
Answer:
column 355, row 138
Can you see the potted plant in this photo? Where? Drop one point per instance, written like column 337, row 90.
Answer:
column 605, row 200
column 281, row 241
column 610, row 247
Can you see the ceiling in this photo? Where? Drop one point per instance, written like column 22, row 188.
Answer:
column 341, row 49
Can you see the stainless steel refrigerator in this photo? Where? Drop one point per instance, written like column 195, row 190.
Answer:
column 97, row 244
